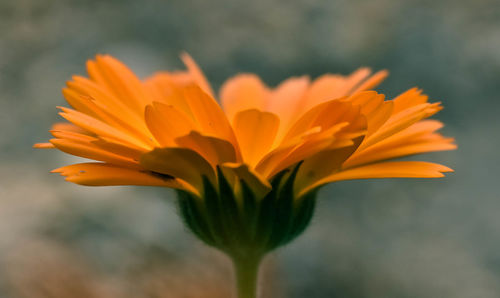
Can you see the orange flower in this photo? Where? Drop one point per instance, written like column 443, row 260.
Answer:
column 246, row 173
column 168, row 130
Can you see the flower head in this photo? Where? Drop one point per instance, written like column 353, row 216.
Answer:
column 257, row 157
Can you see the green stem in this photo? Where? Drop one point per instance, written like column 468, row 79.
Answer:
column 247, row 275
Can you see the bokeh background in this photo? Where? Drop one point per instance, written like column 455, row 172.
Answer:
column 386, row 238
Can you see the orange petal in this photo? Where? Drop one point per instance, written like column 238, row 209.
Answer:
column 373, row 106
column 208, row 114
column 105, row 98
column 411, row 148
column 91, row 151
column 71, row 135
column 214, row 150
column 379, row 117
column 258, row 184
column 167, row 123
column 119, row 148
column 96, row 109
column 368, row 100
column 100, row 128
column 400, row 121
column 324, row 88
column 372, row 81
column 324, row 163
column 409, row 99
column 180, row 163
column 417, row 130
column 311, row 145
column 418, row 138
column 255, row 132
column 287, row 100
column 43, row 146
column 270, row 161
column 353, row 80
column 102, row 174
column 324, row 115
column 394, row 169
column 196, row 73
column 166, row 88
column 120, row 80
column 65, row 126
column 77, row 102
column 243, row 92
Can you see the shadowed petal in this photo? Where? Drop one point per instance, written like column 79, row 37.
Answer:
column 180, row 163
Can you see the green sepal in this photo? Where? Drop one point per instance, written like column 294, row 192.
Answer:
column 241, row 223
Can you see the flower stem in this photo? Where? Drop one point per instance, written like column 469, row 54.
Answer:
column 247, row 275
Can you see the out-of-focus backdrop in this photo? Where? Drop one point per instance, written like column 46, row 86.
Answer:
column 385, row 238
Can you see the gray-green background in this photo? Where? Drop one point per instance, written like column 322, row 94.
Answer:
column 385, row 238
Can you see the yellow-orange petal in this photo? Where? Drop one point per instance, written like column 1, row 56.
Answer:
column 181, row 163
column 255, row 131
column 102, row 174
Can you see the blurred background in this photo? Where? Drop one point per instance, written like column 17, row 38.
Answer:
column 393, row 238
